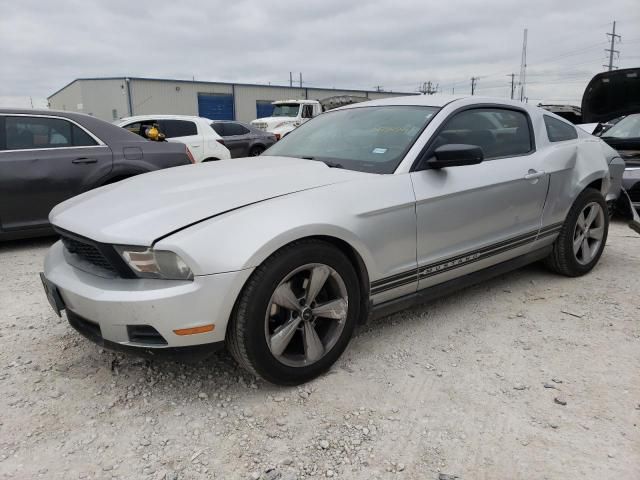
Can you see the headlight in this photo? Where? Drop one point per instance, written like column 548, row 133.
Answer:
column 149, row 263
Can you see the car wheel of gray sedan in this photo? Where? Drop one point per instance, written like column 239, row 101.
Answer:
column 255, row 151
column 296, row 314
column 582, row 238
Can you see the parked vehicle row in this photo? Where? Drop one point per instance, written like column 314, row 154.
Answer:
column 47, row 157
column 359, row 212
column 207, row 140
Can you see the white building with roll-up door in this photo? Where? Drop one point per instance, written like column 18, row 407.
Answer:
column 113, row 98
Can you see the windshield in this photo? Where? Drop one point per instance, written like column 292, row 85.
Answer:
column 367, row 139
column 628, row 127
column 285, row 110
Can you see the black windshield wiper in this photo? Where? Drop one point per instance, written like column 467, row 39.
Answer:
column 328, row 163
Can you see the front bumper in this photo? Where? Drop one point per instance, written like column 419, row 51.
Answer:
column 108, row 310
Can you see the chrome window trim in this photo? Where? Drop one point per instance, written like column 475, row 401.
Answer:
column 100, row 142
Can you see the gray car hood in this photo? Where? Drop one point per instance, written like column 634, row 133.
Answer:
column 139, row 210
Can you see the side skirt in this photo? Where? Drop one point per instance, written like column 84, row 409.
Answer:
column 450, row 286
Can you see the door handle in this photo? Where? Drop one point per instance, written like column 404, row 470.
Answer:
column 534, row 174
column 195, row 146
column 84, row 160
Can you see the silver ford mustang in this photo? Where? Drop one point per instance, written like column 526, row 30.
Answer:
column 360, row 212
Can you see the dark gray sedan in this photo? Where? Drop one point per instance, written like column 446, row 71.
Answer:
column 47, row 157
column 243, row 140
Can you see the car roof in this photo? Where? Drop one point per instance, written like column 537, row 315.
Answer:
column 192, row 118
column 105, row 131
column 440, row 101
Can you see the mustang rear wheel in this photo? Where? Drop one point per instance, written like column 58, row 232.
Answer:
column 296, row 314
column 582, row 237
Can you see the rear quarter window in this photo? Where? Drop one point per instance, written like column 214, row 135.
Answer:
column 559, row 131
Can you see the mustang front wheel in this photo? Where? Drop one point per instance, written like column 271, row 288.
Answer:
column 296, row 314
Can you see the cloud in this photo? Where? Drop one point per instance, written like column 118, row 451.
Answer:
column 334, row 43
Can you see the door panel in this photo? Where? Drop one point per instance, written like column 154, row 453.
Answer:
column 45, row 160
column 35, row 181
column 471, row 217
column 475, row 216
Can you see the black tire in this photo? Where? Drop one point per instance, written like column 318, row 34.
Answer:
column 256, row 150
column 246, row 336
column 562, row 259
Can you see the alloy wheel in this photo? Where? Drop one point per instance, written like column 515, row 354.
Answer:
column 588, row 233
column 306, row 315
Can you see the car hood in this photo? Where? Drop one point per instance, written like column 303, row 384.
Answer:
column 611, row 94
column 142, row 209
column 271, row 122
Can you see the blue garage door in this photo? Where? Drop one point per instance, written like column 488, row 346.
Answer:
column 216, row 106
column 264, row 108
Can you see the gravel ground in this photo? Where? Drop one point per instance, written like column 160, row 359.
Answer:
column 530, row 376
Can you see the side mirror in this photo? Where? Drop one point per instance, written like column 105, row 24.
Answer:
column 455, row 155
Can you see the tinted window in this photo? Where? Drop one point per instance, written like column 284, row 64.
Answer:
column 178, row 128
column 235, row 129
column 37, row 132
column 499, row 132
column 219, row 128
column 139, row 128
column 368, row 139
column 81, row 138
column 307, row 111
column 559, row 131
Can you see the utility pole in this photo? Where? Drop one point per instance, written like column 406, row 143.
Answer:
column 291, row 79
column 378, row 88
column 513, row 85
column 300, row 79
column 522, row 81
column 611, row 50
column 474, row 80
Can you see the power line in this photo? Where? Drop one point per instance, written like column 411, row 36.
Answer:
column 611, row 50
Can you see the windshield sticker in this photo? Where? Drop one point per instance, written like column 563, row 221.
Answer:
column 379, row 150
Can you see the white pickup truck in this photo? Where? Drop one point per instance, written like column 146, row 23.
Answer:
column 289, row 114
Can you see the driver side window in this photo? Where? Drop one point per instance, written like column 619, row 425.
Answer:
column 499, row 132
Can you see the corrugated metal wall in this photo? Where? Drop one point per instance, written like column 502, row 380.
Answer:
column 69, row 98
column 107, row 97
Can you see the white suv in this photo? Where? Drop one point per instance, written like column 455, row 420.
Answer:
column 196, row 132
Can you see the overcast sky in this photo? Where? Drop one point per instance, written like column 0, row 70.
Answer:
column 334, row 43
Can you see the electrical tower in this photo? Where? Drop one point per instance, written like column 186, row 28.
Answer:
column 427, row 88
column 522, row 80
column 474, row 81
column 379, row 88
column 611, row 50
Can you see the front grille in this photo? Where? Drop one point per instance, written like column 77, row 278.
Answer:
column 88, row 253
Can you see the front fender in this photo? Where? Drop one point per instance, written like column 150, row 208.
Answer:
column 375, row 216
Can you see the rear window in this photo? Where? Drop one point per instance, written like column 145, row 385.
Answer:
column 559, row 131
column 235, row 129
column 218, row 128
column 178, row 128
